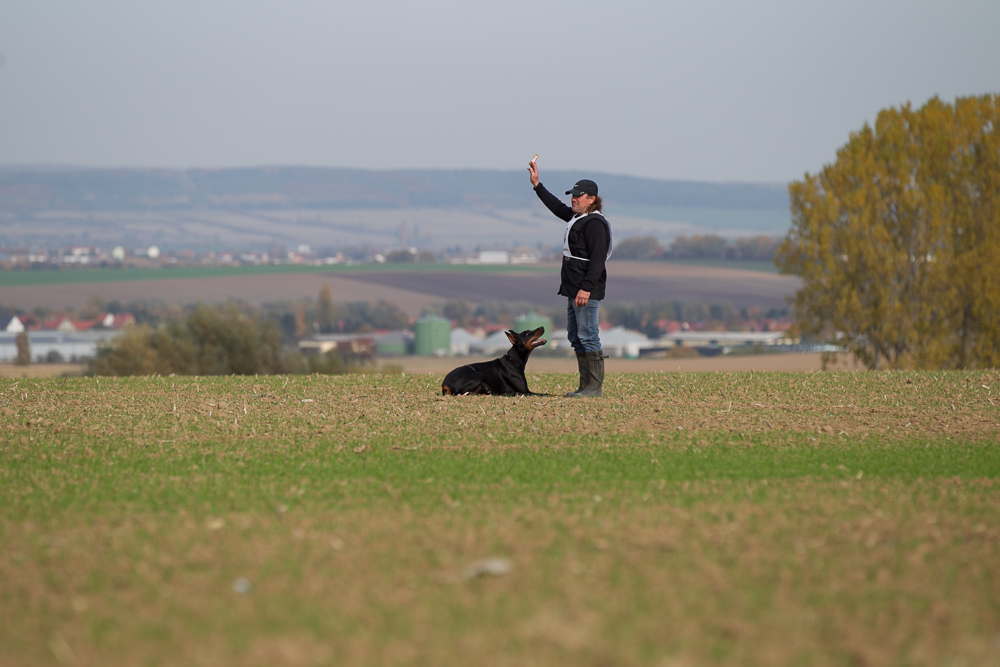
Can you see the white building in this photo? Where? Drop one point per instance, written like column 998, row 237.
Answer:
column 622, row 342
column 68, row 346
column 463, row 341
column 725, row 338
column 13, row 325
column 494, row 257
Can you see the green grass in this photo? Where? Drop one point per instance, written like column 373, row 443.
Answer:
column 255, row 482
column 726, row 518
column 107, row 275
column 25, row 278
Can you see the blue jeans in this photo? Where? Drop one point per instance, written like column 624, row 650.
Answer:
column 581, row 326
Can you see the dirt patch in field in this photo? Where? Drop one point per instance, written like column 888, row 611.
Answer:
column 678, row 282
column 631, row 282
column 8, row 370
column 255, row 290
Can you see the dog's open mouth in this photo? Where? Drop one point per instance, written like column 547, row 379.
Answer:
column 538, row 342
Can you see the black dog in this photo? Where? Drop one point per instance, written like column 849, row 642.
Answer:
column 503, row 376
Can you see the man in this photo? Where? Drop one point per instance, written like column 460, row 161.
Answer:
column 587, row 244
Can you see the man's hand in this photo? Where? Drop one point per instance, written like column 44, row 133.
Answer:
column 533, row 174
column 581, row 298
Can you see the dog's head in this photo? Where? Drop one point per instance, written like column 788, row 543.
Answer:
column 526, row 340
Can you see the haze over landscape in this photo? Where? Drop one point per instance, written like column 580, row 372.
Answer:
column 230, row 125
column 331, row 209
column 716, row 91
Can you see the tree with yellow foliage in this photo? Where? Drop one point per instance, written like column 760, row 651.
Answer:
column 898, row 242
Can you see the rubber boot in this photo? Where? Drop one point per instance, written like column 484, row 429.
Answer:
column 595, row 372
column 581, row 363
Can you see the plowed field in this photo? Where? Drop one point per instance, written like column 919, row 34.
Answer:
column 632, row 282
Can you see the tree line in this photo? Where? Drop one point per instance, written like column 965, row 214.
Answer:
column 235, row 338
column 649, row 318
column 698, row 246
column 208, row 341
column 898, row 241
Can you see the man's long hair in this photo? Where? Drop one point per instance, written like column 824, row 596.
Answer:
column 598, row 205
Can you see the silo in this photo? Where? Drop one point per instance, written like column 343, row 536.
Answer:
column 533, row 321
column 432, row 336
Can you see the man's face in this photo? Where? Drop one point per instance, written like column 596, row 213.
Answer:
column 582, row 202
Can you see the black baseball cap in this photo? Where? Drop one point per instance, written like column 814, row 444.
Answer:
column 583, row 187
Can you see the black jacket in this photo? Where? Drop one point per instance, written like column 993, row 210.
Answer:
column 588, row 239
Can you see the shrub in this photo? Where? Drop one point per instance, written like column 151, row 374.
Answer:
column 208, row 341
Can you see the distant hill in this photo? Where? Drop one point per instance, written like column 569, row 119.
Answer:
column 25, row 190
column 270, row 208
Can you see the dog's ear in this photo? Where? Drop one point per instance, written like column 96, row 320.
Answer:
column 511, row 336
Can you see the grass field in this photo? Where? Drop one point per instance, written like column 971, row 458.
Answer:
column 115, row 275
column 684, row 519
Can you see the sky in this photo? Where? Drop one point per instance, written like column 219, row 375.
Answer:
column 707, row 90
